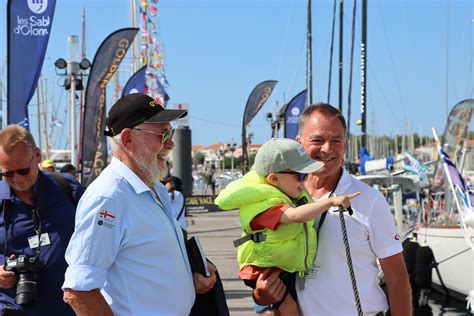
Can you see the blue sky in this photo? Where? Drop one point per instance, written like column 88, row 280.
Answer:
column 216, row 51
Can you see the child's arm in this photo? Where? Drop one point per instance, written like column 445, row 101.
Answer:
column 309, row 211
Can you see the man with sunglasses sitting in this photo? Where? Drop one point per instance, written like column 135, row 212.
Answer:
column 277, row 224
column 127, row 255
column 33, row 204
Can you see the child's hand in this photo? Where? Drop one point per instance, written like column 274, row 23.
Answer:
column 344, row 200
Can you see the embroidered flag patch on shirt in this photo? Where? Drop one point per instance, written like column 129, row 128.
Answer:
column 106, row 214
column 106, row 219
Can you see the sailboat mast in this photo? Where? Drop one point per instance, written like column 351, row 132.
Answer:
column 309, row 55
column 81, row 100
column 38, row 110
column 45, row 124
column 135, row 52
column 341, row 35
column 363, row 79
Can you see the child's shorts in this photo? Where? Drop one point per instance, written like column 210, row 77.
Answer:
column 289, row 279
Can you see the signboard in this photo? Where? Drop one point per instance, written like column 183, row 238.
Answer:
column 200, row 204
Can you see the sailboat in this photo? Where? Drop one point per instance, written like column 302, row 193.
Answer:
column 443, row 240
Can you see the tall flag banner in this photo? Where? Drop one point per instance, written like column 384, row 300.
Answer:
column 413, row 165
column 151, row 53
column 454, row 134
column 29, row 25
column 106, row 62
column 462, row 196
column 256, row 100
column 161, row 96
column 292, row 114
column 136, row 83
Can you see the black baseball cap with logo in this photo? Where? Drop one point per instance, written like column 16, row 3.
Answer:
column 136, row 108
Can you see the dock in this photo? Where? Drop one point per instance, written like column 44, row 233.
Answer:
column 216, row 231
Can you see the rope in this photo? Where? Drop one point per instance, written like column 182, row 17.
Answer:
column 332, row 49
column 349, row 261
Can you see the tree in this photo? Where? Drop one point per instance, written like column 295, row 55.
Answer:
column 198, row 158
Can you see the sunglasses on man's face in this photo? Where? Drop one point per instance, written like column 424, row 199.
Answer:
column 300, row 176
column 165, row 137
column 21, row 172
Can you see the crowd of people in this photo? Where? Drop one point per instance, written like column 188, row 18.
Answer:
column 119, row 247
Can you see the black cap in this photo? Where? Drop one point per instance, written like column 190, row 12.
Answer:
column 177, row 183
column 136, row 108
column 67, row 168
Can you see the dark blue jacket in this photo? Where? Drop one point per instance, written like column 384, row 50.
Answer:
column 57, row 218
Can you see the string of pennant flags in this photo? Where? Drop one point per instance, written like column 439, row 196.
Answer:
column 151, row 54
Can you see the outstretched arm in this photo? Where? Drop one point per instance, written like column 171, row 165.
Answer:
column 309, row 211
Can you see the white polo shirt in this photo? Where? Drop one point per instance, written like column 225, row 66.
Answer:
column 372, row 234
column 126, row 244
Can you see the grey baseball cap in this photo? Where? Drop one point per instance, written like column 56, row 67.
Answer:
column 279, row 154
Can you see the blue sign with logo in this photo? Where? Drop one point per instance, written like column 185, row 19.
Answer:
column 29, row 25
column 292, row 114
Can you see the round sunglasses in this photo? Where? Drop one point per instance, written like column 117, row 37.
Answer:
column 166, row 136
column 300, row 176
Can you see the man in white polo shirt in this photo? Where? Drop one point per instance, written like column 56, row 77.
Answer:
column 327, row 288
column 127, row 254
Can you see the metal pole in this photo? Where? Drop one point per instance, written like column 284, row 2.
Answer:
column 72, row 111
column 309, row 55
column 363, row 76
column 341, row 29
column 232, row 163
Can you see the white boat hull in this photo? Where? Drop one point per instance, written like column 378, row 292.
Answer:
column 446, row 242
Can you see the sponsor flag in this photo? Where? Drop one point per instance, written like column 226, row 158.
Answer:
column 256, row 100
column 106, row 62
column 136, row 83
column 161, row 96
column 292, row 114
column 412, row 165
column 462, row 196
column 455, row 132
column 29, row 25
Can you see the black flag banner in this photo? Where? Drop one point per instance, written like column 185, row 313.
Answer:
column 106, row 62
column 256, row 100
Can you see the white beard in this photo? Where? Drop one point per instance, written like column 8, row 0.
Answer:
column 149, row 164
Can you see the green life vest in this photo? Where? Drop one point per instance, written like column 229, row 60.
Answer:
column 291, row 247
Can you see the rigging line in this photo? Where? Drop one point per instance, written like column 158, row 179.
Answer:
column 385, row 98
column 285, row 39
column 291, row 85
column 373, row 74
column 447, row 59
column 332, row 50
column 214, row 122
column 392, row 62
column 351, row 66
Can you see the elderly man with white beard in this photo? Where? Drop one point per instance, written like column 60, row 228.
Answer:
column 127, row 255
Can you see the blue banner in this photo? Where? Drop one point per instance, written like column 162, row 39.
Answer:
column 106, row 62
column 292, row 114
column 136, row 83
column 256, row 100
column 29, row 25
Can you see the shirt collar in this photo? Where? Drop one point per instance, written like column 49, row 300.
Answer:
column 137, row 184
column 344, row 182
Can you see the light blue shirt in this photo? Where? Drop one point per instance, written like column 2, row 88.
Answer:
column 128, row 245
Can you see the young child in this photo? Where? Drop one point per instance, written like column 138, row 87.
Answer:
column 275, row 215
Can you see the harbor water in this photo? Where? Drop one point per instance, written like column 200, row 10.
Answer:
column 439, row 305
